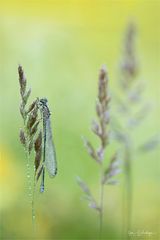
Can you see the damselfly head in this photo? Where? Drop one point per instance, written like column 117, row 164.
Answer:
column 42, row 104
column 43, row 101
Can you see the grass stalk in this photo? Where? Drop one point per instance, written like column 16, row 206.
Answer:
column 132, row 111
column 101, row 203
column 100, row 129
column 128, row 188
column 30, row 136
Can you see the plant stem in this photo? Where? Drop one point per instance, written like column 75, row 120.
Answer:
column 30, row 192
column 128, row 169
column 33, row 206
column 28, row 174
column 101, row 203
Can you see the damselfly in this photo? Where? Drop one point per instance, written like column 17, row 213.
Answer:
column 49, row 154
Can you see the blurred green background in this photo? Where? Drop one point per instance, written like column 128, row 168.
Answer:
column 61, row 45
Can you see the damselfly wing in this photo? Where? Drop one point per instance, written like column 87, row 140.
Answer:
column 50, row 154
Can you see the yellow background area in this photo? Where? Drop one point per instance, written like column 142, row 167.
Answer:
column 61, row 46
